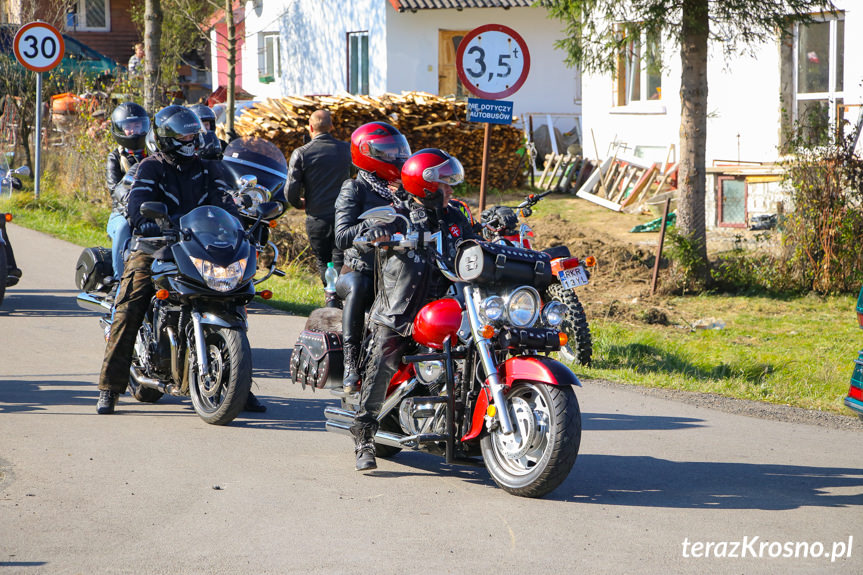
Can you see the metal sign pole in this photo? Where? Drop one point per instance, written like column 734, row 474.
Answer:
column 38, row 171
column 482, row 179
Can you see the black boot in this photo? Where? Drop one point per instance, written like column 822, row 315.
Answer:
column 364, row 447
column 351, row 381
column 107, row 401
column 253, row 404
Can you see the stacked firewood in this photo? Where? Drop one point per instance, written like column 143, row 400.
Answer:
column 427, row 121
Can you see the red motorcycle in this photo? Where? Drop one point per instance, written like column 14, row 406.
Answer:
column 479, row 387
column 501, row 224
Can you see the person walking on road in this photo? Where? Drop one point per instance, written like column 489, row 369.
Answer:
column 315, row 175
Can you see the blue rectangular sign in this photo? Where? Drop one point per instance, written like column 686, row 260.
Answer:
column 489, row 111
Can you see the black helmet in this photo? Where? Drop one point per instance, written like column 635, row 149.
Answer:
column 207, row 116
column 178, row 132
column 129, row 125
column 211, row 148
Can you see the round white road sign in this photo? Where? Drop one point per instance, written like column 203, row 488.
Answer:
column 39, row 46
column 492, row 61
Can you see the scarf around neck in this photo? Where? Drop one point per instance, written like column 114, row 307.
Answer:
column 379, row 185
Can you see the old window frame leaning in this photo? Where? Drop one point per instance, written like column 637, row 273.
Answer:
column 719, row 196
column 834, row 95
column 358, row 62
column 639, row 67
column 269, row 55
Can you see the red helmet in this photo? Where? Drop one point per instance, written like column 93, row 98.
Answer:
column 427, row 168
column 379, row 148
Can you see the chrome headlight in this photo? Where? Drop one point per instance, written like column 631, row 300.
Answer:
column 522, row 307
column 219, row 278
column 492, row 308
column 429, row 371
column 553, row 313
column 258, row 195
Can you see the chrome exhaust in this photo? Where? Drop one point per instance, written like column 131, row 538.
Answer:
column 151, row 383
column 382, row 437
column 92, row 303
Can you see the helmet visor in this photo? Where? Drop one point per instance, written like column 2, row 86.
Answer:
column 390, row 149
column 134, row 126
column 450, row 172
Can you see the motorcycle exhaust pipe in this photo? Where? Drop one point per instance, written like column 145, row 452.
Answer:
column 382, row 437
column 92, row 303
column 145, row 381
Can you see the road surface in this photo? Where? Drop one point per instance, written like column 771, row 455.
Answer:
column 154, row 490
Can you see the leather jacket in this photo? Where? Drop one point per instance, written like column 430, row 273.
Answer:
column 319, row 168
column 181, row 186
column 355, row 197
column 411, row 279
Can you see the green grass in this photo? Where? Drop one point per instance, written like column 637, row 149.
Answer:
column 796, row 351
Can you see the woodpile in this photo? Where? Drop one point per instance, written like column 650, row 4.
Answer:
column 427, row 121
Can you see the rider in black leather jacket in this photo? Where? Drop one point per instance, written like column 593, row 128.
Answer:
column 379, row 151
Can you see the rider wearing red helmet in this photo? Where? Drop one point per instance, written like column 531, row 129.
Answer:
column 378, row 150
column 407, row 282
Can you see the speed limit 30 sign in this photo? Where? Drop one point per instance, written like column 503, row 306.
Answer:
column 39, row 46
column 492, row 61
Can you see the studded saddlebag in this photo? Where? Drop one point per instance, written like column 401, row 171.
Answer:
column 318, row 360
column 490, row 263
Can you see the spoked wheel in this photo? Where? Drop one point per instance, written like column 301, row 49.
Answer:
column 541, row 451
column 219, row 398
column 579, row 349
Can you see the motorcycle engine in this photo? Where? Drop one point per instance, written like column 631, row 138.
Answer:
column 423, row 414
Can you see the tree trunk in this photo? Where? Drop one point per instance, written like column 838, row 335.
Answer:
column 232, row 67
column 152, row 58
column 691, row 180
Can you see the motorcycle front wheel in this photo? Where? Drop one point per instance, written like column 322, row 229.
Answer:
column 538, row 456
column 220, row 398
column 579, row 348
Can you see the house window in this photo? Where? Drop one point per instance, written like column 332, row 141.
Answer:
column 269, row 57
column 639, row 67
column 731, row 203
column 358, row 62
column 90, row 15
column 819, row 66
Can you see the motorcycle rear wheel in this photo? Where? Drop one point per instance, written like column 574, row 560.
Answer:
column 230, row 365
column 4, row 272
column 579, row 349
column 538, row 456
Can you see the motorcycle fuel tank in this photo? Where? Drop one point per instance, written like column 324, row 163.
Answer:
column 436, row 321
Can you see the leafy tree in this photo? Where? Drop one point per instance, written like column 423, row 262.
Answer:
column 594, row 42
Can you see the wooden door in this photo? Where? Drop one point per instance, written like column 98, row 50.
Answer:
column 448, row 82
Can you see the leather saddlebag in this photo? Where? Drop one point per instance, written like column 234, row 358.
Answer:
column 491, row 263
column 318, row 360
column 93, row 267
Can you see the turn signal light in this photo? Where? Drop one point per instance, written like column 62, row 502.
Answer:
column 487, row 331
column 162, row 294
column 564, row 339
column 266, row 294
column 8, row 217
column 273, row 223
column 590, row 261
column 491, row 411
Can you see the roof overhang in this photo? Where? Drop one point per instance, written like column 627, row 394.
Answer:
column 414, row 5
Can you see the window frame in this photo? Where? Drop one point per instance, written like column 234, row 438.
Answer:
column 719, row 222
column 832, row 95
column 265, row 41
column 81, row 16
column 355, row 83
column 624, row 79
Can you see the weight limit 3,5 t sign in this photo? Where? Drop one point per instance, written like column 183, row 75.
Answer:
column 492, row 61
column 38, row 46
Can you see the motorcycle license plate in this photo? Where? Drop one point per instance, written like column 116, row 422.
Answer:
column 573, row 277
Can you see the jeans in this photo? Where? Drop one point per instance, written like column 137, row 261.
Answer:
column 120, row 233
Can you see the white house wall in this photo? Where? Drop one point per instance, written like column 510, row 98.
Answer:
column 412, row 55
column 313, row 44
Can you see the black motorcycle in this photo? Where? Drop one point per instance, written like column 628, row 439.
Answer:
column 9, row 273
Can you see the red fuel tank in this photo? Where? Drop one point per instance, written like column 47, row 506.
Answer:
column 437, row 320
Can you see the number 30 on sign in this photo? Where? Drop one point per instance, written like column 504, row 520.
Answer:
column 38, row 46
column 492, row 61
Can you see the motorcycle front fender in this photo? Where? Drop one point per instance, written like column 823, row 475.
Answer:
column 539, row 369
column 229, row 320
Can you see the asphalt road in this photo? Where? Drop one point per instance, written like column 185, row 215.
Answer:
column 153, row 489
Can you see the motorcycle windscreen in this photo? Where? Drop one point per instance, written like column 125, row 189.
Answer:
column 260, row 158
column 216, row 231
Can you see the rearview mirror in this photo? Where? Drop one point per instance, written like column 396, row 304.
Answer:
column 154, row 210
column 22, row 171
column 383, row 214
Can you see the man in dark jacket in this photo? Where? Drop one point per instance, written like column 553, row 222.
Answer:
column 177, row 177
column 408, row 281
column 318, row 168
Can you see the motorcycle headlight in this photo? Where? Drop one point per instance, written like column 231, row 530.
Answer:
column 258, row 195
column 553, row 313
column 429, row 371
column 522, row 307
column 219, row 278
column 492, row 308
